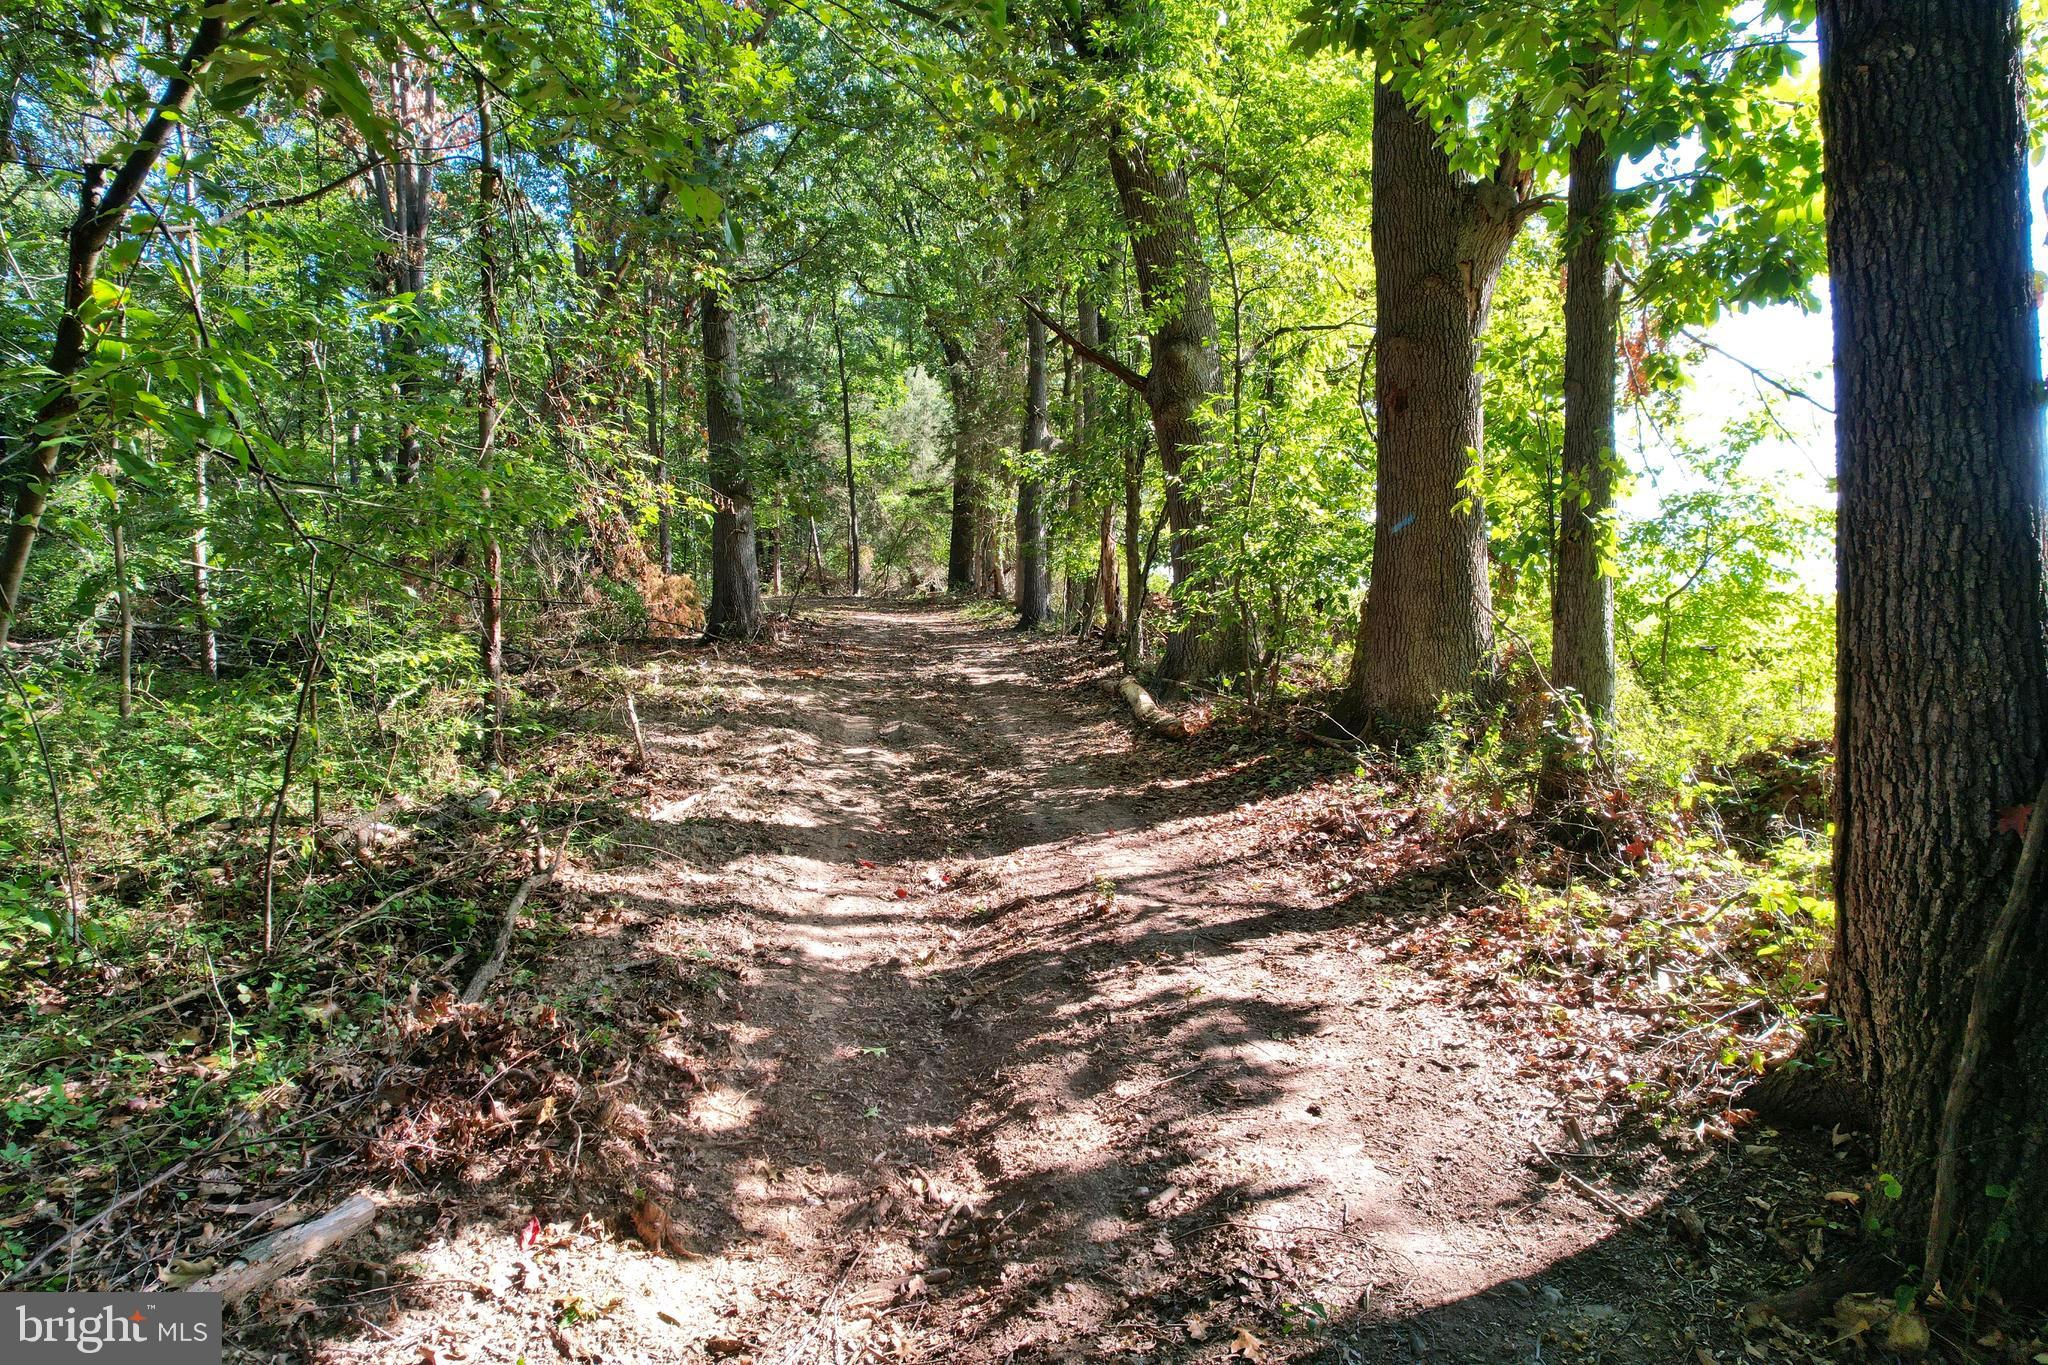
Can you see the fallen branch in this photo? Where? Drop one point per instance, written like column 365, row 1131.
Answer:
column 1146, row 711
column 85, row 1228
column 1587, row 1188
column 478, row 983
column 639, row 739
column 281, row 1253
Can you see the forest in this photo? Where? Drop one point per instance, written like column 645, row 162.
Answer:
column 824, row 681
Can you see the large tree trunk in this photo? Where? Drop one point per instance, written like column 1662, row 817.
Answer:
column 1942, row 711
column 1582, row 599
column 28, row 485
column 960, row 537
column 1439, row 240
column 735, row 610
column 1173, row 285
column 1034, row 584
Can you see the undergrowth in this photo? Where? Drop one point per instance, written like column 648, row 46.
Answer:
column 158, row 1064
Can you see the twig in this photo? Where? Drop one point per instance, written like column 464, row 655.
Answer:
column 214, row 978
column 493, row 964
column 639, row 739
column 291, row 748
column 73, row 904
column 108, row 1212
column 1591, row 1191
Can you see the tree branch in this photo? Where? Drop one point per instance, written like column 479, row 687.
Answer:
column 1082, row 349
column 292, row 201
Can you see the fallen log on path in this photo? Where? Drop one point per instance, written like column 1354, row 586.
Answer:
column 279, row 1254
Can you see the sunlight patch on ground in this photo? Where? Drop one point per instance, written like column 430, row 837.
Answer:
column 723, row 1109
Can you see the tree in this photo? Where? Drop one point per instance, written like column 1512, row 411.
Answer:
column 102, row 213
column 1582, row 598
column 1439, row 239
column 1942, row 713
column 1034, row 581
column 735, row 610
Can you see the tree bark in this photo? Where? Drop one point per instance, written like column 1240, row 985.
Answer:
column 1107, row 591
column 1034, row 584
column 1173, row 286
column 846, row 440
column 735, row 610
column 99, row 217
column 1137, row 568
column 1942, row 708
column 1439, row 240
column 960, row 536
column 1582, row 598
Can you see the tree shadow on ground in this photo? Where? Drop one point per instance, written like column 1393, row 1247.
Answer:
column 1123, row 1089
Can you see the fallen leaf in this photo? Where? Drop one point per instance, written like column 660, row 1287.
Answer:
column 530, row 1234
column 1246, row 1345
column 1907, row 1334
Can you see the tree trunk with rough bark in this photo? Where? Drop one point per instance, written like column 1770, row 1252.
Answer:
column 404, row 194
column 1942, row 709
column 846, row 441
column 960, row 534
column 735, row 610
column 1034, row 583
column 1582, row 599
column 1173, row 286
column 202, row 570
column 1439, row 239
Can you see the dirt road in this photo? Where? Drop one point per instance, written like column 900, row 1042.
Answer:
column 962, row 1023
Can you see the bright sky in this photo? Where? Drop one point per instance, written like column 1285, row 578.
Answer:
column 1790, row 345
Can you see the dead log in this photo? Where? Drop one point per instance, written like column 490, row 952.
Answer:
column 1148, row 713
column 283, row 1252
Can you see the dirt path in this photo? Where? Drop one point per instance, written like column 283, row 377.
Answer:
column 963, row 1024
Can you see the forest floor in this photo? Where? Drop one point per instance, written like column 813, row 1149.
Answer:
column 942, row 1016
